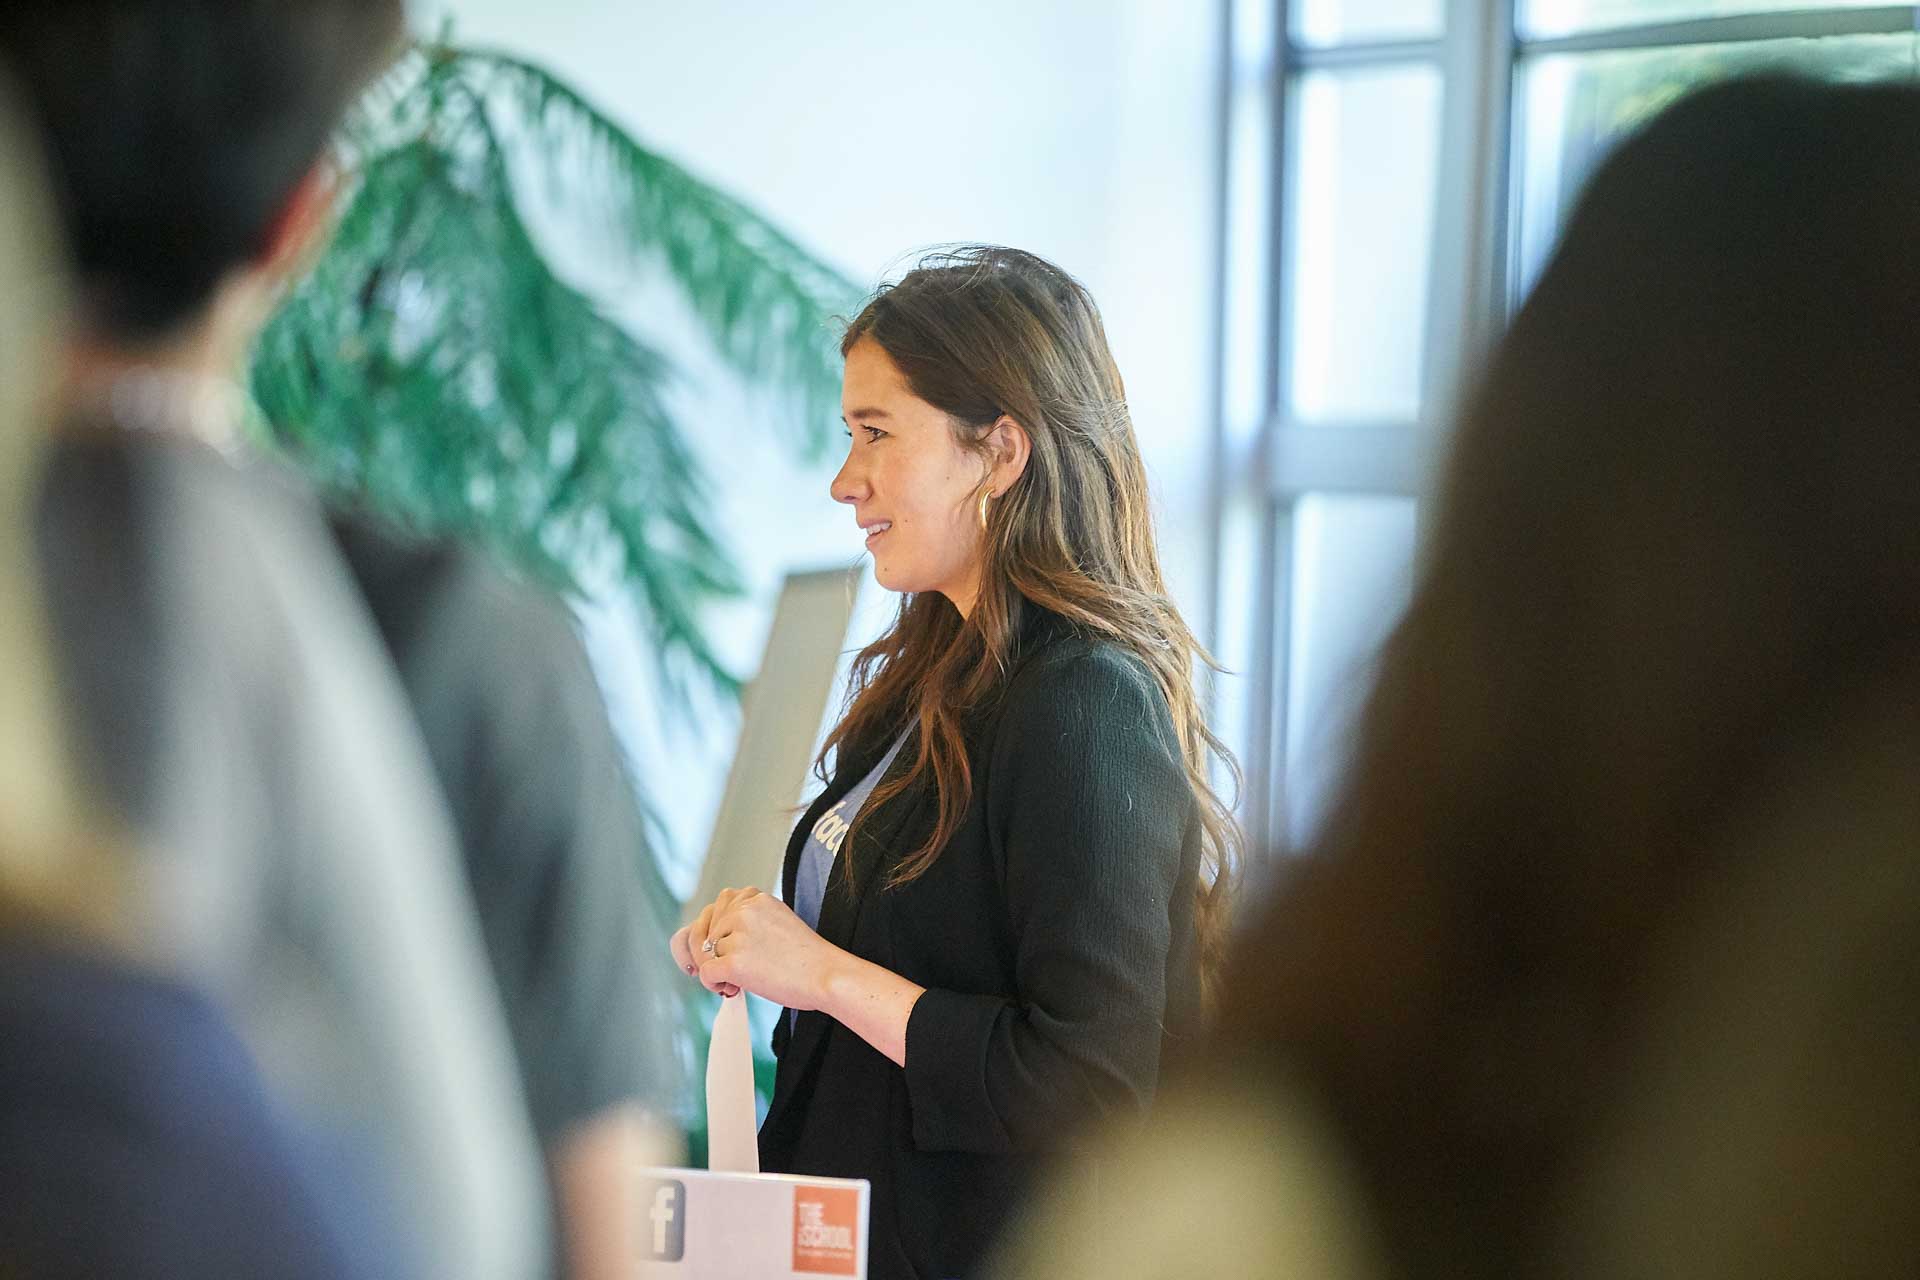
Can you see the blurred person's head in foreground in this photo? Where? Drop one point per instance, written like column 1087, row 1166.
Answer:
column 1673, row 575
column 186, row 141
column 182, row 142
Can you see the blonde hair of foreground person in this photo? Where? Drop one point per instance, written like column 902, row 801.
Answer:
column 56, row 869
column 1230, row 1179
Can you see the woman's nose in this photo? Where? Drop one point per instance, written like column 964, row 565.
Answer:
column 850, row 484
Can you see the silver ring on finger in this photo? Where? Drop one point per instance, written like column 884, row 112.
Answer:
column 707, row 946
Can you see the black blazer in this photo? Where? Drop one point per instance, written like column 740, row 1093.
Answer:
column 1054, row 936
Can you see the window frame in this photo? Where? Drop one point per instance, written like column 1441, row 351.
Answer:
column 1263, row 468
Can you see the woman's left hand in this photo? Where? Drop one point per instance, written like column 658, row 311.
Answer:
column 759, row 945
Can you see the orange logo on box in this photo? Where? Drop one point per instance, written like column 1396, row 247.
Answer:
column 826, row 1228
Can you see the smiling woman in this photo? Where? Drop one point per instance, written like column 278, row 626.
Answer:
column 1011, row 892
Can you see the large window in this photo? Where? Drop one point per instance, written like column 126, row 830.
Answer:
column 1397, row 172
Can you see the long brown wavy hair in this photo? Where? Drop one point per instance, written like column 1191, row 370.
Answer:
column 981, row 332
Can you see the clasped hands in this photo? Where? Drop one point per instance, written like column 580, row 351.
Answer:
column 746, row 940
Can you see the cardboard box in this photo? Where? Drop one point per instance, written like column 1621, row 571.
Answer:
column 700, row 1225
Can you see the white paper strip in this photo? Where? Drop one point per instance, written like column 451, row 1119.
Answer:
column 733, row 1145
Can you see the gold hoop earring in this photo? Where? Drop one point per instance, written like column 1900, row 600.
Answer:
column 986, row 496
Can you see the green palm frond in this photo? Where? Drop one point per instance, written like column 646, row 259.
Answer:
column 435, row 365
column 764, row 300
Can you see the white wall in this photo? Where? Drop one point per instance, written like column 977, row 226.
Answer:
column 1083, row 130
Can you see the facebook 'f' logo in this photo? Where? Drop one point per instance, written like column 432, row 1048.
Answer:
column 666, row 1230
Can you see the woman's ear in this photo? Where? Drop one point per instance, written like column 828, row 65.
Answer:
column 1009, row 446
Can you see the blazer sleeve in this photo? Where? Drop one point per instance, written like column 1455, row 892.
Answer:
column 1088, row 801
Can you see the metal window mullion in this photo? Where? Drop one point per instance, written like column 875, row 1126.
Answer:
column 1736, row 29
column 1465, row 294
column 1219, row 479
column 1280, row 538
column 1339, row 57
column 1506, row 234
column 1266, row 727
column 1263, row 805
column 1386, row 458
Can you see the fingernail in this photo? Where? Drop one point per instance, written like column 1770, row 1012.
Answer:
column 690, row 970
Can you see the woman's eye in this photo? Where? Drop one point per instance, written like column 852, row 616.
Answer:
column 874, row 433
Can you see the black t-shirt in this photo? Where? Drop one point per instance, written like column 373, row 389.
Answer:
column 546, row 817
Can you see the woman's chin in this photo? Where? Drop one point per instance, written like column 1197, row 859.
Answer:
column 892, row 579
column 902, row 580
